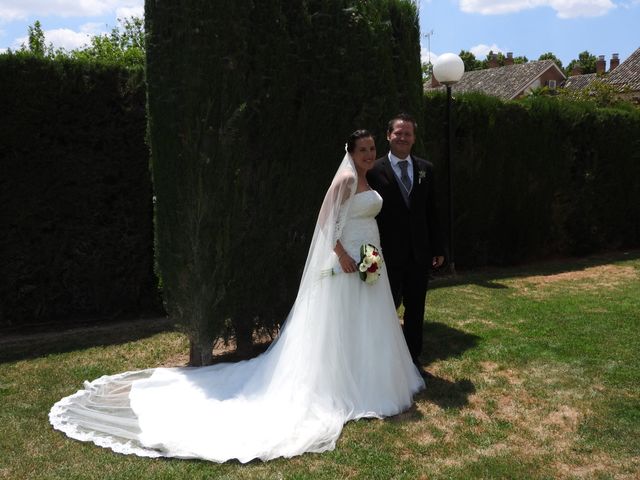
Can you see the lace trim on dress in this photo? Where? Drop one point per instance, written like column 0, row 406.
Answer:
column 101, row 414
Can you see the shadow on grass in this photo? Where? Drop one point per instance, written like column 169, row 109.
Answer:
column 439, row 343
column 235, row 356
column 15, row 347
column 488, row 277
column 447, row 394
column 442, row 342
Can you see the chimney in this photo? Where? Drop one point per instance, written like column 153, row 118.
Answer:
column 576, row 70
column 614, row 62
column 493, row 60
column 509, row 59
column 601, row 65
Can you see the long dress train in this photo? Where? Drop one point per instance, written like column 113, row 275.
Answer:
column 340, row 356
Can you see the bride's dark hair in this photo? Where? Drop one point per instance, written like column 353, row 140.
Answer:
column 355, row 136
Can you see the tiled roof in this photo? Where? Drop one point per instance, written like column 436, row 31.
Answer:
column 578, row 82
column 503, row 82
column 627, row 74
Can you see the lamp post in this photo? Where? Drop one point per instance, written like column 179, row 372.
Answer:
column 447, row 70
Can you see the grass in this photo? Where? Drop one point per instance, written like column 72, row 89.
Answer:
column 537, row 376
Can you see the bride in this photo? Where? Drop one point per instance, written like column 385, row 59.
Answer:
column 340, row 356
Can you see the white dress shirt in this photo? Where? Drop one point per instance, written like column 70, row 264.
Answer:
column 396, row 168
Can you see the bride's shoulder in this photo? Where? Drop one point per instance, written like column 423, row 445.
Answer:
column 345, row 178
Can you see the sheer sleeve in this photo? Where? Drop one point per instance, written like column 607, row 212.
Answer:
column 335, row 206
column 331, row 220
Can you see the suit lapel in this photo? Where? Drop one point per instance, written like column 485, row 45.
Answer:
column 388, row 170
column 414, row 185
column 418, row 187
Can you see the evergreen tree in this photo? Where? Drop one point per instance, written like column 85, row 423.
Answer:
column 36, row 43
column 520, row 59
column 249, row 104
column 500, row 57
column 585, row 61
column 123, row 45
column 427, row 71
column 470, row 61
column 551, row 56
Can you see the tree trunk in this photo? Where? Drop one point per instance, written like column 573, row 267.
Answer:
column 200, row 353
column 244, row 336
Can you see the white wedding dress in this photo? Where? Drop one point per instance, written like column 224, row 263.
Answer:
column 344, row 360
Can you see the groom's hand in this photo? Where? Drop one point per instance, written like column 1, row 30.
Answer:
column 436, row 262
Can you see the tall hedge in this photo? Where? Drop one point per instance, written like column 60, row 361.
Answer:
column 537, row 178
column 249, row 107
column 75, row 193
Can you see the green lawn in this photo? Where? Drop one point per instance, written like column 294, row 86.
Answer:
column 537, row 376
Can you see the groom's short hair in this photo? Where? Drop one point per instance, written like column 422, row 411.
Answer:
column 404, row 117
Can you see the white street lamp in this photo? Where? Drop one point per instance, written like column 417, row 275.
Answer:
column 448, row 69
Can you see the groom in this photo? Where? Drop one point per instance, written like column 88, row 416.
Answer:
column 409, row 231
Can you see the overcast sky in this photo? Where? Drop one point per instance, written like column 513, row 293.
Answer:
column 524, row 27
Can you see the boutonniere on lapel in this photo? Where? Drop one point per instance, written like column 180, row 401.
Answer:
column 422, row 174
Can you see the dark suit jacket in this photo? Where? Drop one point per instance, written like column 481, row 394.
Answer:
column 408, row 235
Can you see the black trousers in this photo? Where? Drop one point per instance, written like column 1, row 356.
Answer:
column 409, row 287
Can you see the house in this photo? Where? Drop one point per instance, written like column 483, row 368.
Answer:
column 508, row 82
column 624, row 77
column 578, row 81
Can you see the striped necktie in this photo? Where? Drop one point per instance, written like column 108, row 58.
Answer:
column 404, row 176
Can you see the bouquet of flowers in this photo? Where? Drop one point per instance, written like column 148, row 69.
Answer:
column 370, row 263
column 369, row 266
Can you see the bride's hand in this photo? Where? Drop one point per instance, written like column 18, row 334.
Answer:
column 348, row 264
